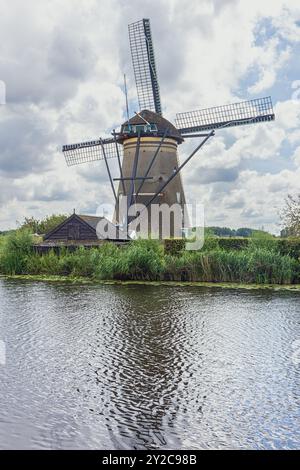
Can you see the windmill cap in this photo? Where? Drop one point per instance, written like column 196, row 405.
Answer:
column 154, row 118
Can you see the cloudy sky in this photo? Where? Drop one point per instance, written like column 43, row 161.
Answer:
column 62, row 62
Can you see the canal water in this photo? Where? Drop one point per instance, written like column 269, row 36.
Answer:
column 148, row 367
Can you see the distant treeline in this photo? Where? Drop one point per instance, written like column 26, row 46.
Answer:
column 5, row 232
column 42, row 226
column 231, row 232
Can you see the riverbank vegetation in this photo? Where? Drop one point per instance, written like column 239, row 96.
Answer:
column 265, row 260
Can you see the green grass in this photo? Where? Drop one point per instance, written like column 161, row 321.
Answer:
column 89, row 281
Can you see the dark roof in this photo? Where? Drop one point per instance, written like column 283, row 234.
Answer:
column 155, row 118
column 91, row 220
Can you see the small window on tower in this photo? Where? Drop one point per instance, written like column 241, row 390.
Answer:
column 141, row 128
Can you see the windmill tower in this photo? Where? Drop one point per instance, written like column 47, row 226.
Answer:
column 150, row 157
column 146, row 144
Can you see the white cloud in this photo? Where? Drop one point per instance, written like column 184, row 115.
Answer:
column 268, row 59
column 296, row 156
column 255, row 200
column 288, row 115
column 287, row 23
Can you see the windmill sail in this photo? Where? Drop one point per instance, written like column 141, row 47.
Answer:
column 143, row 60
column 91, row 151
column 237, row 114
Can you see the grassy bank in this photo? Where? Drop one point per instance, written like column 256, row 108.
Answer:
column 258, row 262
column 89, row 281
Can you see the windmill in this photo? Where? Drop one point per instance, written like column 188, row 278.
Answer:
column 146, row 145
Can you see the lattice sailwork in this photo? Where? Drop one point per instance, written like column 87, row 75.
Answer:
column 143, row 60
column 236, row 114
column 91, row 151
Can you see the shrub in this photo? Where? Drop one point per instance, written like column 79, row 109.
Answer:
column 15, row 250
column 34, row 264
column 225, row 266
column 81, row 262
column 210, row 243
column 144, row 259
column 111, row 262
column 174, row 246
column 50, row 263
column 256, row 261
column 259, row 266
column 263, row 240
column 270, row 267
column 141, row 259
column 181, row 268
column 233, row 243
column 290, row 247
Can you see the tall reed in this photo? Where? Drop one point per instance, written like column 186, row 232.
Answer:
column 15, row 249
column 146, row 260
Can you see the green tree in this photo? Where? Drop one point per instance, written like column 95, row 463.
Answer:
column 290, row 216
column 45, row 225
column 244, row 232
column 50, row 222
column 30, row 223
